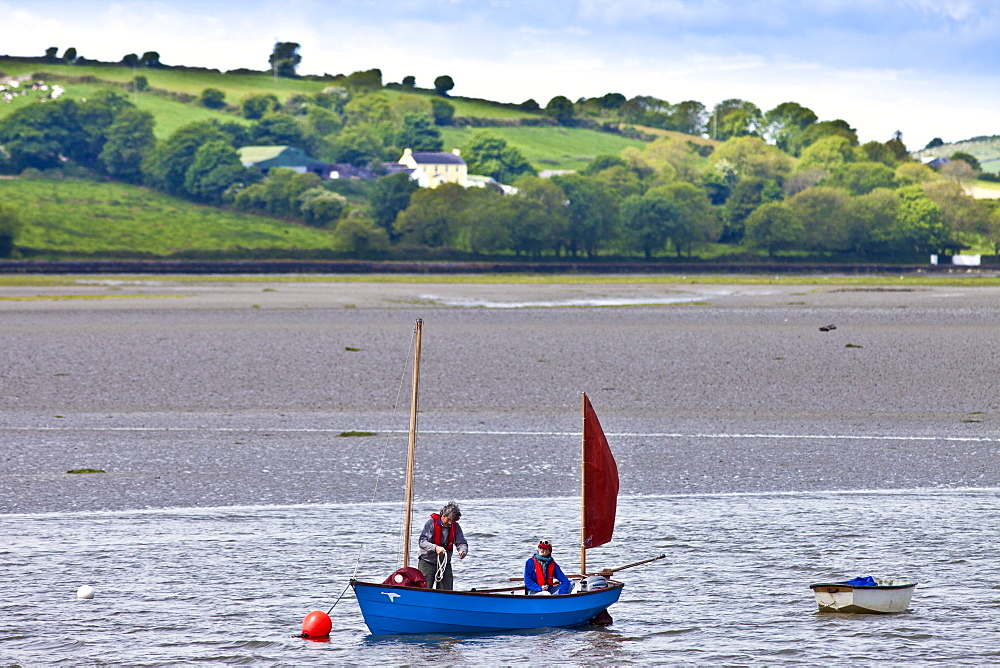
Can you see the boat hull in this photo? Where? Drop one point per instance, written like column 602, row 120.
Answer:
column 888, row 596
column 393, row 610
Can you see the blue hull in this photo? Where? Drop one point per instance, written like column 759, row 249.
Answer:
column 393, row 610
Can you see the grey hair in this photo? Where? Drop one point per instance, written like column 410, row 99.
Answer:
column 452, row 510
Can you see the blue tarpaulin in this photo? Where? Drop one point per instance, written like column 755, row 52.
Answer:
column 866, row 581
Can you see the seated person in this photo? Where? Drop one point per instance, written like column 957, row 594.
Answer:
column 542, row 573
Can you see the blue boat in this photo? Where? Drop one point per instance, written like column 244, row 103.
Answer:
column 391, row 609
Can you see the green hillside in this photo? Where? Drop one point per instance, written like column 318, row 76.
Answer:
column 67, row 218
column 984, row 149
column 549, row 147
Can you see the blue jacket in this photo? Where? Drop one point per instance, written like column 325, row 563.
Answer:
column 532, row 585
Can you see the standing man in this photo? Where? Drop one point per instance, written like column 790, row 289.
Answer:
column 441, row 535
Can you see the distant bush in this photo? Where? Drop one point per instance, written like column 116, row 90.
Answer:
column 213, row 98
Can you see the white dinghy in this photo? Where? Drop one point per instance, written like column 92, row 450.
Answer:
column 864, row 595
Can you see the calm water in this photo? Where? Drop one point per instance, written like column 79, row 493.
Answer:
column 231, row 585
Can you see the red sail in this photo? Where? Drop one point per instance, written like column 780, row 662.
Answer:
column 600, row 481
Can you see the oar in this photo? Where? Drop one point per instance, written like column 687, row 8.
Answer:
column 608, row 572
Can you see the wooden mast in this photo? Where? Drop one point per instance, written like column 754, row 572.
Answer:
column 413, row 442
column 583, row 487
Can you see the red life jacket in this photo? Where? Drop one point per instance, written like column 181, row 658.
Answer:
column 450, row 545
column 541, row 577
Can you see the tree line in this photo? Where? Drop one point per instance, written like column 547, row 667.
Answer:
column 778, row 181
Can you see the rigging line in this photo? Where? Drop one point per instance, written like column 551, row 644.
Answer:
column 385, row 448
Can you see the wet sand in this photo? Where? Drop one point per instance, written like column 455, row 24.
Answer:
column 208, row 394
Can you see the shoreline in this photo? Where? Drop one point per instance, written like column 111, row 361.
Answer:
column 227, row 394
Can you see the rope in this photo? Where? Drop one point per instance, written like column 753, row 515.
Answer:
column 442, row 566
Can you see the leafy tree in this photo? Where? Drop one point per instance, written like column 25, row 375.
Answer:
column 166, row 167
column 800, row 180
column 443, row 112
column 254, row 107
column 694, row 220
column 432, row 218
column 360, row 145
column 878, row 152
column 215, row 167
column 278, row 195
column 591, row 210
column 285, row 59
column 323, row 121
column 38, row 135
column 490, row 155
column 128, row 140
column 10, row 226
column 278, row 130
column 898, row 148
column 409, row 81
column 689, row 117
column 69, row 55
column 773, row 227
column 934, row 143
column 561, row 109
column 539, row 218
column 236, row 133
column 371, row 109
column 150, row 59
column 785, row 123
column 411, row 104
column 827, row 154
column 365, row 81
column 922, row 228
column 748, row 194
column 838, row 128
column 872, row 222
column 958, row 171
column 602, row 162
column 320, row 207
column 735, row 118
column 356, row 234
column 620, row 182
column 130, row 60
column 388, row 196
column 821, row 210
column 860, row 178
column 750, row 157
column 50, row 53
column 967, row 158
column 966, row 216
column 647, row 220
column 909, row 173
column 672, row 159
column 529, row 105
column 419, row 133
column 213, row 98
column 443, row 84
column 484, row 223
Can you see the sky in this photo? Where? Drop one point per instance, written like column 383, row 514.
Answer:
column 926, row 68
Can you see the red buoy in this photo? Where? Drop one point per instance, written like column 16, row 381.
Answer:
column 317, row 624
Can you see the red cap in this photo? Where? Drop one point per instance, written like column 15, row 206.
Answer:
column 545, row 545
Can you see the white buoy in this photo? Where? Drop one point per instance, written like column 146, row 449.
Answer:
column 86, row 591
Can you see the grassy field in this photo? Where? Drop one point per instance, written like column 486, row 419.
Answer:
column 549, row 147
column 86, row 217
